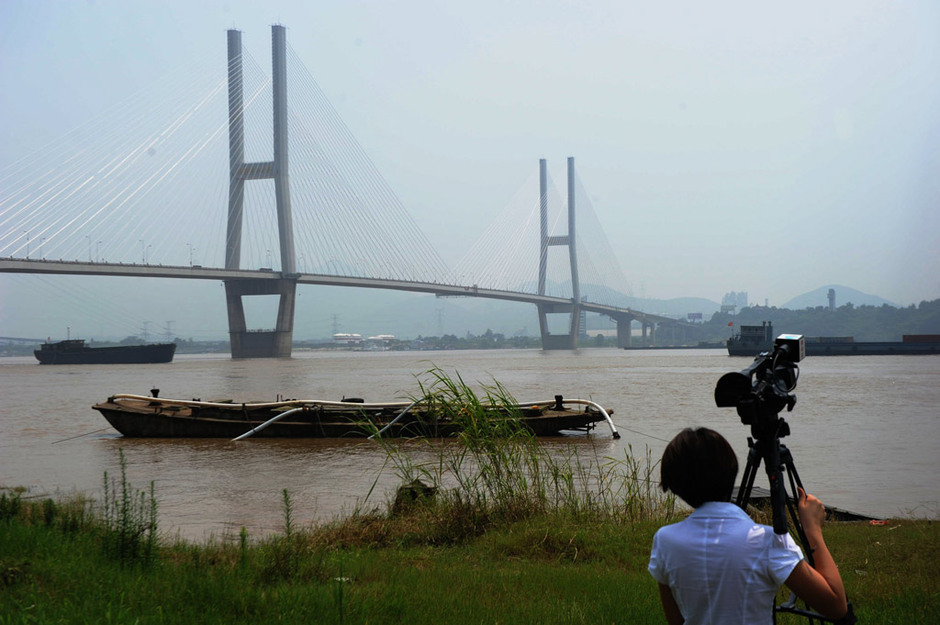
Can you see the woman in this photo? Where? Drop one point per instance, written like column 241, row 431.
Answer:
column 718, row 566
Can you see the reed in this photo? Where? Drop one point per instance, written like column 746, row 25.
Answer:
column 498, row 472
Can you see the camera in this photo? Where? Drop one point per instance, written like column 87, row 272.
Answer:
column 762, row 390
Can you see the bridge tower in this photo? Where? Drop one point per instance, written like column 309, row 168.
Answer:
column 259, row 343
column 549, row 340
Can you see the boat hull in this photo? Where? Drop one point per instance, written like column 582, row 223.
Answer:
column 76, row 353
column 159, row 418
column 878, row 348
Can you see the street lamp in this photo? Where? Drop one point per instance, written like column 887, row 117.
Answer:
column 143, row 254
column 97, row 250
column 190, row 245
column 41, row 241
column 147, row 255
column 26, row 232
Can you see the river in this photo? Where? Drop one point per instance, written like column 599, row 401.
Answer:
column 864, row 429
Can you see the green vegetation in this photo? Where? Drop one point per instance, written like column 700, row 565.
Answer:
column 394, row 568
column 498, row 529
column 129, row 520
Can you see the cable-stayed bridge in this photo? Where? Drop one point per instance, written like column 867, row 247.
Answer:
column 181, row 182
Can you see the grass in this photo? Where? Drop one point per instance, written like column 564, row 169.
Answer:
column 382, row 569
column 501, row 530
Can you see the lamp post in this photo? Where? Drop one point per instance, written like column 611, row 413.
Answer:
column 97, row 250
column 190, row 246
column 143, row 254
column 41, row 241
column 26, row 232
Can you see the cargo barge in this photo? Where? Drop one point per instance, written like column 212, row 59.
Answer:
column 752, row 340
column 75, row 352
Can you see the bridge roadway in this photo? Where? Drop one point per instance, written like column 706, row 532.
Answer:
column 66, row 267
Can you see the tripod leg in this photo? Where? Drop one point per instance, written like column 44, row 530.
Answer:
column 778, row 495
column 747, row 476
column 786, row 458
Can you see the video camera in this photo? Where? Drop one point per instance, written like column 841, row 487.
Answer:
column 762, row 390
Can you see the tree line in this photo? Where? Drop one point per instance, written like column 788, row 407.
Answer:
column 863, row 323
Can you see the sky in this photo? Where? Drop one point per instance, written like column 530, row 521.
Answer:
column 726, row 146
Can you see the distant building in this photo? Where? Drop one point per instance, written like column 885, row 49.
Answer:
column 347, row 339
column 734, row 300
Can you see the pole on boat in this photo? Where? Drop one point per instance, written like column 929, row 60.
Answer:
column 610, row 422
column 395, row 420
column 598, row 407
column 270, row 421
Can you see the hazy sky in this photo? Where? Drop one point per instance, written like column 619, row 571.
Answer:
column 768, row 148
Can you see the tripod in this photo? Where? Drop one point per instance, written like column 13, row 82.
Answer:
column 777, row 459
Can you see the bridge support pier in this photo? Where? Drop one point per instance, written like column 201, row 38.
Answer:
column 559, row 341
column 624, row 330
column 260, row 343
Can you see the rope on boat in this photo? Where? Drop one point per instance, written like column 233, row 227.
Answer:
column 70, row 438
column 268, row 422
column 395, row 420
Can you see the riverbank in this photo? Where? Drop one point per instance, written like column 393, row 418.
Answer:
column 59, row 564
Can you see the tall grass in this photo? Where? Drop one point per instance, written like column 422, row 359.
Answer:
column 498, row 472
column 129, row 528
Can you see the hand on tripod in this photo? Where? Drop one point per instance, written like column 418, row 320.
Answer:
column 812, row 511
column 816, row 580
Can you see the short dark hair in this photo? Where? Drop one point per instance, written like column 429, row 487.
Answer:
column 699, row 465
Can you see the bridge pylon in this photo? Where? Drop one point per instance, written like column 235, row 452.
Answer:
column 570, row 340
column 247, row 343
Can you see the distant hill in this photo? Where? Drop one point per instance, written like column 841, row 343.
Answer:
column 844, row 295
column 676, row 307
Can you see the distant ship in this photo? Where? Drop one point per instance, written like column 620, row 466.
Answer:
column 75, row 352
column 753, row 340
